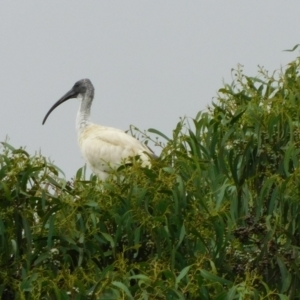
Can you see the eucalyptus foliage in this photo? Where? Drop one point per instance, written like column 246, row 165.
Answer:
column 216, row 217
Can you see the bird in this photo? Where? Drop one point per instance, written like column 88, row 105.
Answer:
column 103, row 148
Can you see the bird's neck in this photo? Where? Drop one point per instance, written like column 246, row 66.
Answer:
column 84, row 112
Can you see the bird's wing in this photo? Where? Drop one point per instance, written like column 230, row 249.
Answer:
column 105, row 148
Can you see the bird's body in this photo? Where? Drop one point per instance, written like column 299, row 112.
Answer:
column 103, row 148
column 106, row 148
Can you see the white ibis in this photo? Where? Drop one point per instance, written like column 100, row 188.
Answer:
column 103, row 148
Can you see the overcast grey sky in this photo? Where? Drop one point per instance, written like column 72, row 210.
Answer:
column 150, row 62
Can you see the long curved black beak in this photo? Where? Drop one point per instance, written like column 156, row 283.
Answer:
column 69, row 95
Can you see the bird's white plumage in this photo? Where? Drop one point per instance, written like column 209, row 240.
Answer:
column 106, row 148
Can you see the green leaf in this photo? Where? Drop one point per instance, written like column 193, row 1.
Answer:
column 237, row 116
column 169, row 170
column 14, row 247
column 50, row 231
column 285, row 275
column 214, row 278
column 140, row 276
column 109, row 239
column 293, row 49
column 8, row 146
column 152, row 130
column 182, row 274
column 42, row 258
column 181, row 236
column 123, row 287
column 231, row 295
column 27, row 232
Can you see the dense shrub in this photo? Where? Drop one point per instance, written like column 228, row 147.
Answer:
column 216, row 217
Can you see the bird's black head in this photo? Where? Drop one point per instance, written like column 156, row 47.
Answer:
column 82, row 87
